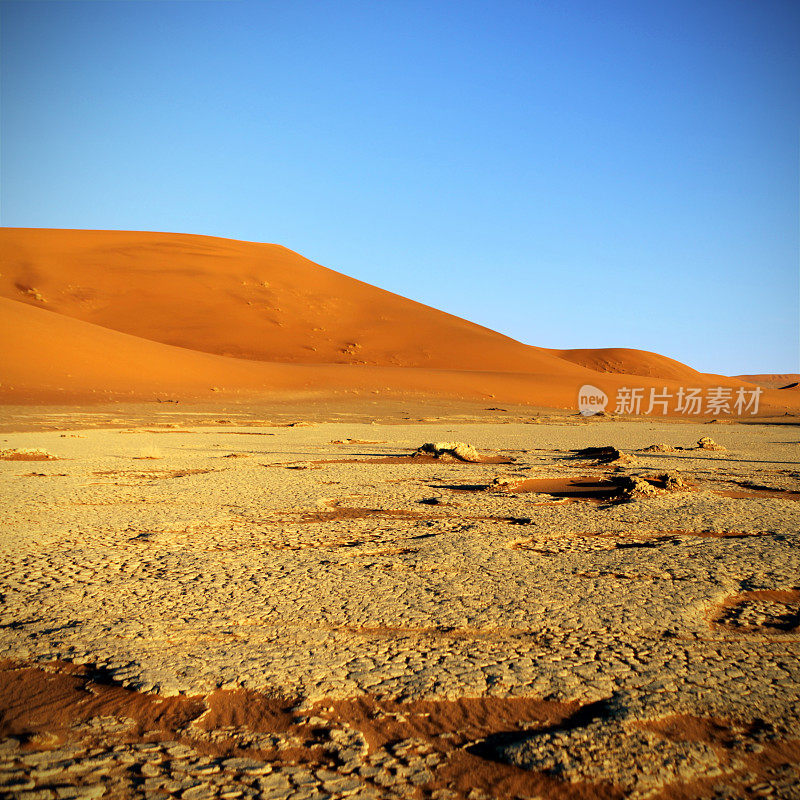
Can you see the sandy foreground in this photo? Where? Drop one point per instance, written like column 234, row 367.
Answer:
column 207, row 605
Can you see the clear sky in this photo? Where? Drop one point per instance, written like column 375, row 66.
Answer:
column 572, row 173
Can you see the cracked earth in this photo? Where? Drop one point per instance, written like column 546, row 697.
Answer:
column 310, row 611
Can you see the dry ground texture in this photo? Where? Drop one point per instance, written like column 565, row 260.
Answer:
column 257, row 609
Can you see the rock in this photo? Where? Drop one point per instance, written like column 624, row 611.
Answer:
column 458, row 450
column 658, row 448
column 248, row 765
column 342, row 785
column 604, row 455
column 506, row 482
column 276, row 783
column 632, row 487
column 16, row 783
column 89, row 792
column 707, row 443
column 673, row 481
column 638, row 761
column 26, row 454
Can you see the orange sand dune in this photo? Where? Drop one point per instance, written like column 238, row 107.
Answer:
column 51, row 358
column 48, row 357
column 624, row 361
column 772, row 381
column 266, row 303
column 95, row 315
column 255, row 301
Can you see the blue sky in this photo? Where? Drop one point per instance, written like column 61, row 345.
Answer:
column 573, row 174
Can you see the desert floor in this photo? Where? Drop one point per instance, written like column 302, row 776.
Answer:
column 204, row 604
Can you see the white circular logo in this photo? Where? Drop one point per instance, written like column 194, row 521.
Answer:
column 591, row 400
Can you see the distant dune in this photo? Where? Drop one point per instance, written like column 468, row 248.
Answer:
column 94, row 315
column 624, row 361
column 787, row 380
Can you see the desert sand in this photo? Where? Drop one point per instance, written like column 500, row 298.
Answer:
column 785, row 381
column 93, row 316
column 270, row 532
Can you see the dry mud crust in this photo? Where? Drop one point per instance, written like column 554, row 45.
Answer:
column 25, row 454
column 766, row 612
column 67, row 731
column 675, row 756
column 227, row 574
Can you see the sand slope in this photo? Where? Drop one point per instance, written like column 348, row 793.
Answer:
column 97, row 315
column 625, row 361
column 266, row 303
column 773, row 381
column 242, row 299
column 51, row 358
column 47, row 357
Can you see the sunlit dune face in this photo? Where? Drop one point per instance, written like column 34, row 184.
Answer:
column 93, row 316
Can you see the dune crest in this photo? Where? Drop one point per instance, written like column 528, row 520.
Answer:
column 260, row 302
column 263, row 302
column 773, row 381
column 626, row 361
